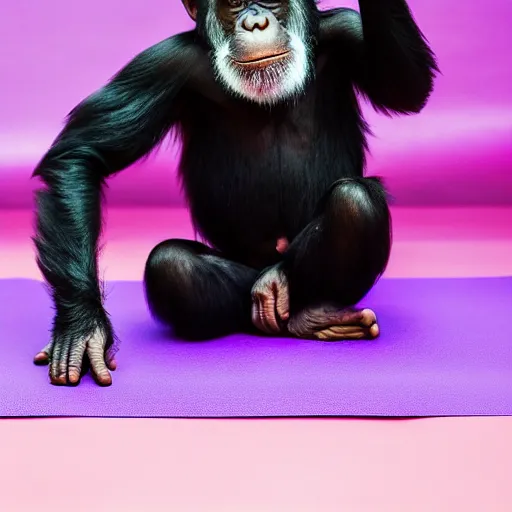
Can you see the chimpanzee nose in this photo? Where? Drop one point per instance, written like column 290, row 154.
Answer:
column 252, row 22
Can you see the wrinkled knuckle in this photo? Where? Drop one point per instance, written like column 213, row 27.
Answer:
column 303, row 326
column 77, row 344
column 293, row 327
column 58, row 344
column 97, row 359
column 75, row 361
column 283, row 298
column 267, row 309
column 264, row 296
column 267, row 281
column 306, row 319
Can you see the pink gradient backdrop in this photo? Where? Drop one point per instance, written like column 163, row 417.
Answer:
column 459, row 150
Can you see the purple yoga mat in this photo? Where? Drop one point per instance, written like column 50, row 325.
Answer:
column 445, row 350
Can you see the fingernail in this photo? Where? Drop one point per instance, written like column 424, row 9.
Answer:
column 73, row 378
column 106, row 381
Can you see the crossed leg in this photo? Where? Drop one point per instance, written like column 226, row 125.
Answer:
column 200, row 294
column 336, row 260
column 324, row 273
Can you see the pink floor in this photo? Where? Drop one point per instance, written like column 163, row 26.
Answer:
column 266, row 465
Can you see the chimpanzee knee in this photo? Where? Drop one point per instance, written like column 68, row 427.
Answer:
column 356, row 225
column 343, row 252
column 169, row 280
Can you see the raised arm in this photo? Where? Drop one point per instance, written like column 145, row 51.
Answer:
column 108, row 131
column 385, row 51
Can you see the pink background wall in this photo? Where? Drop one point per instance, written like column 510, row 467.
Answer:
column 459, row 150
column 52, row 54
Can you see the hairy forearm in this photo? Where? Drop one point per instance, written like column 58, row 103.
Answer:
column 105, row 133
column 68, row 226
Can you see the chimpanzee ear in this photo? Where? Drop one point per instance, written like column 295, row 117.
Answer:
column 191, row 7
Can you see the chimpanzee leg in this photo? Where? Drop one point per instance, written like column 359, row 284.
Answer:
column 336, row 260
column 200, row 294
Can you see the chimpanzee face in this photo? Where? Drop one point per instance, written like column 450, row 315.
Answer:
column 260, row 49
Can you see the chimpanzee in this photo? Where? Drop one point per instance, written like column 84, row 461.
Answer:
column 263, row 97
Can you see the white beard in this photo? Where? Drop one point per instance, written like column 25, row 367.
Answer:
column 273, row 83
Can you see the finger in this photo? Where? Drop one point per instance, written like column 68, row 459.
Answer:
column 112, row 364
column 63, row 362
column 110, row 357
column 268, row 314
column 255, row 315
column 55, row 375
column 43, row 356
column 283, row 302
column 258, row 316
column 96, row 353
column 75, row 361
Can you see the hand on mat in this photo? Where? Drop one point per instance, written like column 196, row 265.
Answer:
column 331, row 323
column 270, row 301
column 70, row 358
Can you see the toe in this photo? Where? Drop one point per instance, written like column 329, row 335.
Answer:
column 340, row 333
column 368, row 317
column 374, row 330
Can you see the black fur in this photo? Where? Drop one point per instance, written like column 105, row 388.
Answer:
column 251, row 174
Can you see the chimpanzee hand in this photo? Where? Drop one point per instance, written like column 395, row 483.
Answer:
column 70, row 353
column 270, row 301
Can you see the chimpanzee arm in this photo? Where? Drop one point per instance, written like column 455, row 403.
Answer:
column 108, row 131
column 385, row 51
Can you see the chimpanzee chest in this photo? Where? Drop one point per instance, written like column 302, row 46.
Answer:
column 253, row 175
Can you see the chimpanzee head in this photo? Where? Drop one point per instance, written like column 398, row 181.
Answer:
column 260, row 49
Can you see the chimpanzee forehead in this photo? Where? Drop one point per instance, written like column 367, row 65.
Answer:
column 271, row 5
column 263, row 3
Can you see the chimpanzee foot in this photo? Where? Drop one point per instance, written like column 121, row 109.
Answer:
column 330, row 323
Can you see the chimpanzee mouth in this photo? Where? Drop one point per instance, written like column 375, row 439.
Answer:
column 263, row 61
column 264, row 75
